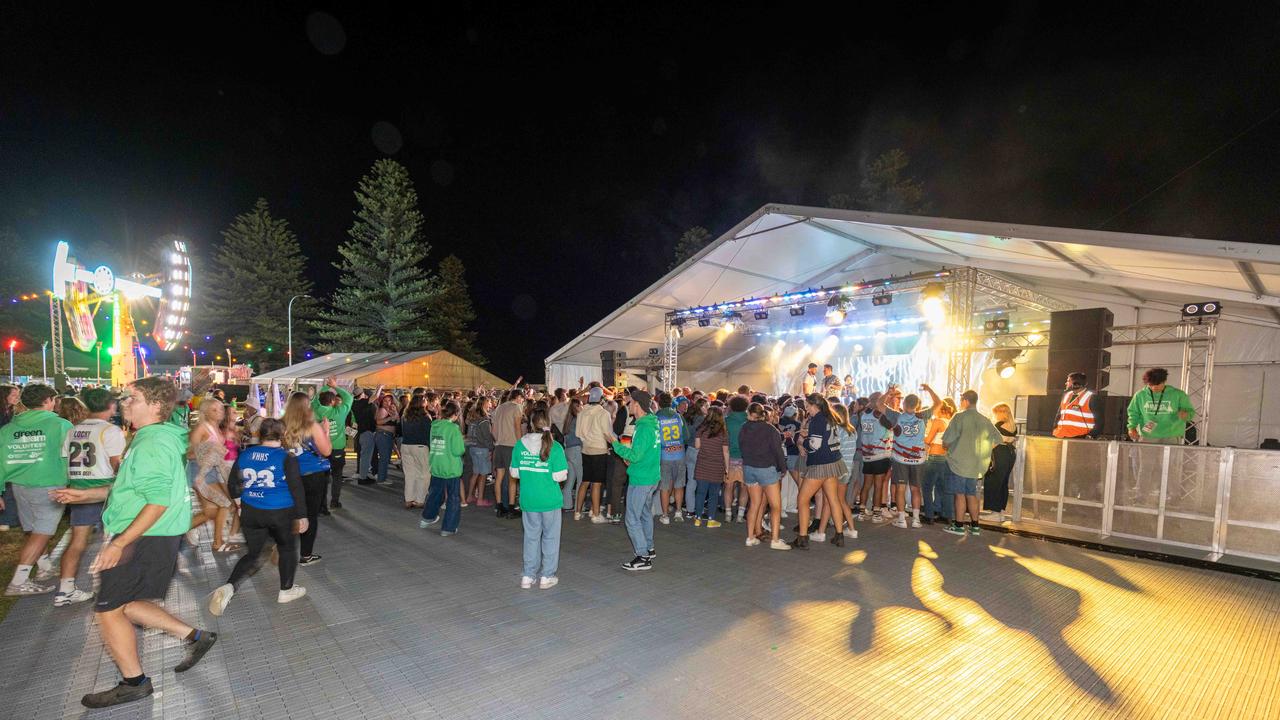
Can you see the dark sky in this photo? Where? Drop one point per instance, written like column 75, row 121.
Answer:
column 561, row 152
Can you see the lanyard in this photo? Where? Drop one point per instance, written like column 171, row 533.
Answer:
column 1160, row 402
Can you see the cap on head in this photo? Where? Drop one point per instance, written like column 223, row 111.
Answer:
column 642, row 398
column 594, row 395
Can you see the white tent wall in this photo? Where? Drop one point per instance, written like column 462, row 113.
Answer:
column 565, row 375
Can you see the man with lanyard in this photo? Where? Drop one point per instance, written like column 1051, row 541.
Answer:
column 93, row 450
column 1075, row 415
column 147, row 513
column 672, row 431
column 809, row 383
column 1159, row 413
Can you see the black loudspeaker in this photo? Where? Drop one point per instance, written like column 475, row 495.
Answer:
column 610, row 361
column 1042, row 413
column 1112, row 415
column 1078, row 342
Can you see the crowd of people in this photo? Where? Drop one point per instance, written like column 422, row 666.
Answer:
column 152, row 464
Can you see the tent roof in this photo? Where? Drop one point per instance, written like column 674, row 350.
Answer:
column 782, row 248
column 446, row 368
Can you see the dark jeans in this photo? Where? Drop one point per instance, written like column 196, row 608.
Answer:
column 617, row 484
column 383, row 441
column 449, row 492
column 257, row 526
column 314, row 485
column 995, row 484
column 337, row 462
column 709, row 493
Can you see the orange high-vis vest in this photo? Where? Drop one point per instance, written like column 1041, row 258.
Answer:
column 1075, row 417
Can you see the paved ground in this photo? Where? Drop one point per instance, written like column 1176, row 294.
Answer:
column 401, row 623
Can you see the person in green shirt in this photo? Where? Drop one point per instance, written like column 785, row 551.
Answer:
column 539, row 463
column 333, row 403
column 31, row 448
column 969, row 440
column 1159, row 413
column 148, row 511
column 644, row 456
column 447, row 448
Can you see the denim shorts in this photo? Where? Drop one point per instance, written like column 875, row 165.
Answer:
column 86, row 514
column 957, row 485
column 759, row 476
column 793, row 462
column 480, row 463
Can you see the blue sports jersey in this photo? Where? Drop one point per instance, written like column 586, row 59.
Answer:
column 310, row 461
column 671, row 435
column 908, row 442
column 262, row 472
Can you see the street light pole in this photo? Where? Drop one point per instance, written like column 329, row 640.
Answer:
column 290, row 321
column 12, row 344
column 44, row 361
column 98, row 354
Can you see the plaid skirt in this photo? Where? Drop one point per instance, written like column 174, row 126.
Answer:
column 836, row 469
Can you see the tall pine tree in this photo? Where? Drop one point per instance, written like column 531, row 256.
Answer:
column 256, row 269
column 690, row 244
column 452, row 312
column 383, row 297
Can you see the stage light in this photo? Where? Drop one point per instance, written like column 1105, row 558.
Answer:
column 704, row 322
column 732, row 322
column 1006, row 368
column 677, row 327
column 931, row 303
column 857, row 348
column 837, row 308
column 762, row 315
column 882, row 298
column 797, row 310
column 998, row 326
column 1005, row 361
column 1208, row 308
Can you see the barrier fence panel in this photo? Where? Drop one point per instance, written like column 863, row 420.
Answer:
column 1211, row 500
column 1252, row 505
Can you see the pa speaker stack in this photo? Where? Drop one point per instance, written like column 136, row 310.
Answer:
column 611, row 368
column 1078, row 342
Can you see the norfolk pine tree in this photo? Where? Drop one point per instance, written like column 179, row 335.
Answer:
column 256, row 269
column 451, row 312
column 384, row 294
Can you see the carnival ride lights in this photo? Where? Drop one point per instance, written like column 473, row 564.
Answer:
column 82, row 291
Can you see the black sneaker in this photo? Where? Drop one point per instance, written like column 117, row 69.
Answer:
column 500, row 510
column 650, row 555
column 638, row 563
column 325, row 511
column 196, row 650
column 335, row 505
column 801, row 542
column 309, row 560
column 616, row 519
column 813, row 525
column 118, row 695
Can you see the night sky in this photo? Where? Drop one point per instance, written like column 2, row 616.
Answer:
column 561, row 152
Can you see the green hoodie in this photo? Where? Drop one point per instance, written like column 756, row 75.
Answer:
column 644, row 453
column 153, row 472
column 447, row 448
column 1160, row 408
column 733, row 423
column 32, row 449
column 337, row 416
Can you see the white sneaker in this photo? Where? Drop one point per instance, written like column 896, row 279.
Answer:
column 768, row 527
column 915, row 522
column 742, row 514
column 818, row 537
column 45, row 571
column 779, row 545
column 665, row 520
column 293, row 593
column 193, row 537
column 577, row 516
column 221, row 596
column 877, row 518
column 900, row 522
column 27, row 588
column 784, row 517
column 548, row 582
column 77, row 595
column 752, row 542
column 526, row 582
column 599, row 519
column 678, row 516
column 238, row 539
column 851, row 533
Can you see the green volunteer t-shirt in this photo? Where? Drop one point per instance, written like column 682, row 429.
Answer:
column 539, row 491
column 153, row 472
column 336, row 415
column 31, row 450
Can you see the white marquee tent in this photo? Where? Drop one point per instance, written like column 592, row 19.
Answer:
column 1142, row 279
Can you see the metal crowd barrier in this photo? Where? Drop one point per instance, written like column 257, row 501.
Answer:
column 1198, row 501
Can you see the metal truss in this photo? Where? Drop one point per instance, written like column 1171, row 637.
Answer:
column 1011, row 292
column 670, row 354
column 1020, row 341
column 55, row 335
column 959, row 363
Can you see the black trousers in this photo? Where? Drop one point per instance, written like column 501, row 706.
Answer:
column 617, row 484
column 314, row 485
column 337, row 462
column 995, row 484
column 258, row 525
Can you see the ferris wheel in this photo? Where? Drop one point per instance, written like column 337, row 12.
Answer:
column 78, row 293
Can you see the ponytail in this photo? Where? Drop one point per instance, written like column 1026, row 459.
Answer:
column 538, row 421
